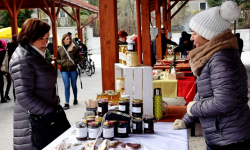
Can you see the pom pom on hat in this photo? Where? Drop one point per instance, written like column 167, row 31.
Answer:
column 213, row 21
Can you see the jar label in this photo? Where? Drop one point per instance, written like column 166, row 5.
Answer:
column 108, row 133
column 93, row 132
column 122, row 107
column 130, row 47
column 136, row 109
column 134, row 126
column 146, row 125
column 100, row 109
column 122, row 130
column 81, row 132
column 129, row 60
column 122, row 56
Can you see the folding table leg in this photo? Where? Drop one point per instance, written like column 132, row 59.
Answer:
column 193, row 130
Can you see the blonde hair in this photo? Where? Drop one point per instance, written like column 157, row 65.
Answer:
column 64, row 37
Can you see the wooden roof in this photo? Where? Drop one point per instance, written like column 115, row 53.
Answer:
column 30, row 4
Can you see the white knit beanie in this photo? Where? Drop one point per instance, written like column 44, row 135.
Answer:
column 213, row 21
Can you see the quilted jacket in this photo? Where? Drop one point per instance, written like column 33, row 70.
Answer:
column 34, row 81
column 222, row 100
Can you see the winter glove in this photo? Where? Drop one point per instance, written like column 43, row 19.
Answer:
column 190, row 104
column 179, row 124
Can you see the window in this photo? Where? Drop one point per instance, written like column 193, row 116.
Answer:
column 62, row 14
column 203, row 6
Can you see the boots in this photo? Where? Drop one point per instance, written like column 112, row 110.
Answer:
column 3, row 100
column 7, row 97
column 75, row 102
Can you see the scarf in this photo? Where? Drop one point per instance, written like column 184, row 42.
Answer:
column 38, row 50
column 200, row 55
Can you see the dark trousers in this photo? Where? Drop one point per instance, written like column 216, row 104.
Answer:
column 8, row 78
column 244, row 145
column 1, row 85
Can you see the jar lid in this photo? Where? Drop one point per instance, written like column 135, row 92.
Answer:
column 109, row 91
column 131, row 52
column 103, row 100
column 102, row 94
column 98, row 119
column 108, row 123
column 124, row 99
column 88, row 117
column 94, row 123
column 137, row 101
column 112, row 93
column 80, row 123
column 120, row 78
column 123, row 121
column 125, row 96
column 137, row 119
column 131, row 42
column 146, row 116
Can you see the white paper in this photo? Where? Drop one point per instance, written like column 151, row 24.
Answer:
column 136, row 109
column 122, row 130
column 122, row 107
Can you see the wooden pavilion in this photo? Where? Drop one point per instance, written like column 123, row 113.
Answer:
column 49, row 7
column 109, row 33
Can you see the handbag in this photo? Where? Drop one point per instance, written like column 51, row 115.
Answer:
column 5, row 64
column 45, row 129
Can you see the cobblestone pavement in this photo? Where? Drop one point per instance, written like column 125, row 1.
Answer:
column 91, row 86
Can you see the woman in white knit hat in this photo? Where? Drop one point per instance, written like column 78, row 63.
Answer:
column 221, row 100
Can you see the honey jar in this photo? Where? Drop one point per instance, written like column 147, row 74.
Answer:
column 101, row 95
column 113, row 98
column 120, row 83
column 109, row 91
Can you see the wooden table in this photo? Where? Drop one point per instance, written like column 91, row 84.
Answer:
column 181, row 66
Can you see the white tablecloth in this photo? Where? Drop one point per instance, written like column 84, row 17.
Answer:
column 164, row 138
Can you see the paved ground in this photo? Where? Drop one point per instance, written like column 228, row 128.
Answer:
column 91, row 86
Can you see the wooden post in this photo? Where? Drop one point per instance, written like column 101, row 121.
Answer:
column 145, row 16
column 158, row 25
column 109, row 42
column 14, row 25
column 54, row 28
column 165, row 20
column 79, row 29
column 139, row 44
column 169, row 17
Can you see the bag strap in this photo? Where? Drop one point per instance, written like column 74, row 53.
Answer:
column 68, row 55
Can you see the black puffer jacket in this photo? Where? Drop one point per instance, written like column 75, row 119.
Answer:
column 222, row 100
column 34, row 81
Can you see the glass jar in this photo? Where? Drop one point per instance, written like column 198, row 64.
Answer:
column 102, row 107
column 124, row 105
column 131, row 46
column 120, row 83
column 132, row 59
column 137, row 108
column 113, row 99
column 81, row 131
column 115, row 123
column 109, row 91
column 93, row 129
column 137, row 125
column 148, row 124
column 108, row 130
column 122, row 129
column 88, row 120
column 101, row 96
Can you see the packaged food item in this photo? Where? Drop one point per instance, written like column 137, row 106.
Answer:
column 108, row 130
column 137, row 125
column 124, row 105
column 104, row 145
column 102, row 106
column 123, row 129
column 81, row 131
column 148, row 123
column 113, row 98
column 131, row 145
column 93, row 130
column 113, row 144
column 120, row 83
column 109, row 91
column 137, row 108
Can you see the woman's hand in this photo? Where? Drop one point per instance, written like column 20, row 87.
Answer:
column 179, row 124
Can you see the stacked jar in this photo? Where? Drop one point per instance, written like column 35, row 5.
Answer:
column 120, row 83
column 148, row 123
column 102, row 106
column 113, row 99
column 137, row 112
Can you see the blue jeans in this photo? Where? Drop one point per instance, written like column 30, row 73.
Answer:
column 66, row 77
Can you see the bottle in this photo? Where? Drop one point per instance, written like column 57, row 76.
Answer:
column 158, row 113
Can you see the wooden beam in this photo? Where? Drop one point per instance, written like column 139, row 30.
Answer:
column 138, row 20
column 169, row 29
column 68, row 14
column 78, row 16
column 14, row 24
column 172, row 6
column 44, row 10
column 179, row 9
column 54, row 27
column 109, row 44
column 165, row 14
column 58, row 10
column 19, row 6
column 74, row 13
column 145, row 16
column 158, row 25
column 5, row 3
column 48, row 11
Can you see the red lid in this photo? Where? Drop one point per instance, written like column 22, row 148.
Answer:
column 123, row 121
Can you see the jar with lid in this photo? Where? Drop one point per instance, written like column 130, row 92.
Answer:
column 132, row 59
column 102, row 107
column 113, row 99
column 137, row 108
column 101, row 95
column 124, row 105
column 148, row 124
column 131, row 46
column 81, row 131
column 120, row 83
column 88, row 120
column 122, row 55
column 109, row 91
column 115, row 123
column 137, row 125
column 108, row 130
column 93, row 129
column 122, row 129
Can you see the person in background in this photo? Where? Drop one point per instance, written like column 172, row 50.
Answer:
column 2, row 55
column 122, row 35
column 70, row 34
column 220, row 103
column 68, row 68
column 164, row 42
column 185, row 44
column 240, row 43
column 48, row 55
column 34, row 80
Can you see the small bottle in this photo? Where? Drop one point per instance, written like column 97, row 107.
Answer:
column 137, row 125
column 93, row 130
column 137, row 108
column 81, row 131
column 108, row 130
column 158, row 113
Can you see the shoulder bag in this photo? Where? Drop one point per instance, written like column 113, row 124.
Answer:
column 77, row 67
column 5, row 64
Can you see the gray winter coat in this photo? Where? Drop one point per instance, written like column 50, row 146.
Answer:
column 222, row 100
column 34, row 81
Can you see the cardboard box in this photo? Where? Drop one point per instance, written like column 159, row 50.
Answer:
column 175, row 76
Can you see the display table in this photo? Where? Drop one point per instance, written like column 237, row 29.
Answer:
column 165, row 138
column 181, row 66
